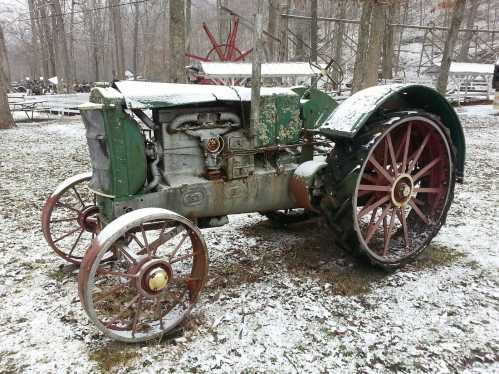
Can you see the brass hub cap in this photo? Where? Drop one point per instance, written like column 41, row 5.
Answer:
column 154, row 276
column 402, row 189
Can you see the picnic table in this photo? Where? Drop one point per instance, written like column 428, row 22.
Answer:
column 26, row 106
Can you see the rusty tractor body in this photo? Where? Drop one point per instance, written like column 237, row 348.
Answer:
column 171, row 159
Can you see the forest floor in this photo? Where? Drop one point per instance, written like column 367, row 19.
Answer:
column 277, row 300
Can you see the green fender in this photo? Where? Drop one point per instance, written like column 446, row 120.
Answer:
column 379, row 101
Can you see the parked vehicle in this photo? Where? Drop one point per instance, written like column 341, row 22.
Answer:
column 380, row 169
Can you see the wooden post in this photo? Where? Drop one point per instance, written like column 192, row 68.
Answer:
column 256, row 73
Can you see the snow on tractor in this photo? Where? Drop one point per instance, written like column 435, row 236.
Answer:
column 171, row 159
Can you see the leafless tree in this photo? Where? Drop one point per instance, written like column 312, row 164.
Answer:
column 119, row 49
column 450, row 42
column 6, row 121
column 359, row 74
column 177, row 41
column 468, row 35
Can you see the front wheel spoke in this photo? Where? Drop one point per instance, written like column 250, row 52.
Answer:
column 164, row 237
column 67, row 234
column 381, row 169
column 375, row 227
column 418, row 211
column 144, row 236
column 78, row 197
column 101, row 295
column 126, row 254
column 136, row 316
column 181, row 258
column 103, row 272
column 426, row 169
column 369, row 208
column 123, row 311
column 75, row 243
column 63, row 220
column 157, row 303
column 174, row 252
column 67, row 206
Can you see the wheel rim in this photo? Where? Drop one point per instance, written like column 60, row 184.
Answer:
column 403, row 190
column 70, row 218
column 151, row 286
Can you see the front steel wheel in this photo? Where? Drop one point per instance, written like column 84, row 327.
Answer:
column 160, row 267
column 403, row 188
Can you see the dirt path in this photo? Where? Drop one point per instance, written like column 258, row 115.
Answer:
column 277, row 300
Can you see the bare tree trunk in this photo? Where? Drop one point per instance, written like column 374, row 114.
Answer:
column 470, row 21
column 35, row 41
column 188, row 18
column 177, row 41
column 272, row 27
column 71, row 42
column 360, row 68
column 339, row 31
column 450, row 42
column 314, row 30
column 283, row 32
column 135, row 39
column 378, row 21
column 302, row 30
column 48, row 33
column 118, row 39
column 60, row 34
column 389, row 39
column 6, row 121
column 95, row 27
column 222, row 20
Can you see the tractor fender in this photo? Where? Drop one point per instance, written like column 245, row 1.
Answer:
column 302, row 182
column 378, row 102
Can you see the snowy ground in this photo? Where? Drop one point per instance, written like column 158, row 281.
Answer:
column 277, row 300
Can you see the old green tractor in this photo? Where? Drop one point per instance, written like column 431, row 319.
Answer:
column 171, row 159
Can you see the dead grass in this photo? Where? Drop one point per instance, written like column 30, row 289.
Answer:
column 114, row 356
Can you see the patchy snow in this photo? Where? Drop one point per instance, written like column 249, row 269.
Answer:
column 269, row 70
column 277, row 300
column 470, row 68
column 141, row 94
column 356, row 106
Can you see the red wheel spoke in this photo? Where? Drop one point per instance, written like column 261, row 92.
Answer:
column 426, row 169
column 419, row 212
column 373, row 228
column 144, row 236
column 429, row 190
column 163, row 238
column 126, row 254
column 157, row 303
column 60, row 203
column 416, row 157
column 79, row 197
column 174, row 252
column 115, row 273
column 406, row 148
column 369, row 178
column 67, row 234
column 380, row 168
column 369, row 208
column 63, row 220
column 370, row 187
column 134, row 237
column 75, row 243
column 136, row 315
column 116, row 317
column 401, row 215
column 388, row 233
column 392, row 154
column 101, row 295
column 181, row 258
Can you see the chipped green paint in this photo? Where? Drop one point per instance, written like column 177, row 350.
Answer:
column 280, row 121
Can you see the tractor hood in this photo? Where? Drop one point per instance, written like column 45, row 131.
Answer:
column 150, row 95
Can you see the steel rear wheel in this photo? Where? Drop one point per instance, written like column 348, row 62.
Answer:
column 403, row 189
column 160, row 268
column 70, row 218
